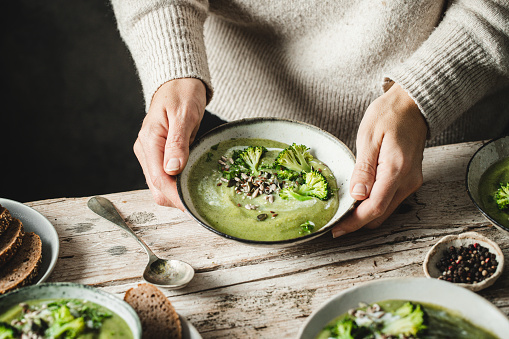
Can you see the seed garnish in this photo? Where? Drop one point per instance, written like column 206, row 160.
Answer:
column 262, row 217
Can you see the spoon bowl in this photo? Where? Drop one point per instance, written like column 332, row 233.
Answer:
column 172, row 274
column 168, row 273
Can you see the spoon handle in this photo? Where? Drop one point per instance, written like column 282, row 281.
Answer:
column 104, row 208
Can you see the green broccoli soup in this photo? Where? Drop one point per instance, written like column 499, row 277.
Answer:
column 62, row 318
column 402, row 319
column 263, row 190
column 494, row 191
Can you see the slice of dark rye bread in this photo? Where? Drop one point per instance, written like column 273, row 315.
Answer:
column 23, row 268
column 157, row 315
column 5, row 219
column 10, row 241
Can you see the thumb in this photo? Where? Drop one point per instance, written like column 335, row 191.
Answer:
column 176, row 150
column 364, row 172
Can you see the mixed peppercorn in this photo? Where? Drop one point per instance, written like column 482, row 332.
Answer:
column 467, row 264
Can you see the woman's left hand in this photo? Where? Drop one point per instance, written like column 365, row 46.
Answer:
column 390, row 146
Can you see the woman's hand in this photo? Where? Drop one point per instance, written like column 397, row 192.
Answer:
column 390, row 146
column 162, row 147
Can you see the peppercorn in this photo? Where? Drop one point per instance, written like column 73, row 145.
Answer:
column 470, row 264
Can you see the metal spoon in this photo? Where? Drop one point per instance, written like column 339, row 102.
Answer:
column 171, row 274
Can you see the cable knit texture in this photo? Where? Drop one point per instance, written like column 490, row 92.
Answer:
column 324, row 62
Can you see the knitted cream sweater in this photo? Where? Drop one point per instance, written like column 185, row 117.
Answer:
column 324, row 62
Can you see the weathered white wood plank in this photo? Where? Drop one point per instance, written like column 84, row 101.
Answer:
column 241, row 291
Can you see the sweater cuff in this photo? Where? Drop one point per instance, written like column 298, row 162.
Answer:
column 168, row 44
column 447, row 75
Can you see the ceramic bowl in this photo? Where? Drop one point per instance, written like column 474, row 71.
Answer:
column 484, row 157
column 35, row 222
column 440, row 293
column 324, row 146
column 74, row 291
column 464, row 239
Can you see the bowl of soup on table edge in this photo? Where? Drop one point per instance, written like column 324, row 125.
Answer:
column 53, row 310
column 487, row 181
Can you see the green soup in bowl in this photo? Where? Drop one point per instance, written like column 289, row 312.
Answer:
column 253, row 206
column 222, row 205
column 67, row 310
column 64, row 318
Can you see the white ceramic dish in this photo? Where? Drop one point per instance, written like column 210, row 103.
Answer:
column 464, row 239
column 324, row 146
column 432, row 291
column 188, row 330
column 74, row 291
column 483, row 158
column 35, row 222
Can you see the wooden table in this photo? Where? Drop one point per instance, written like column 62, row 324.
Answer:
column 247, row 292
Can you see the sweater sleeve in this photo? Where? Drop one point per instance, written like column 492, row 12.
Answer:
column 165, row 38
column 465, row 59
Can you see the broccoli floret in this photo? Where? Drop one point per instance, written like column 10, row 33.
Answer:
column 502, row 196
column 252, row 156
column 344, row 329
column 296, row 158
column 231, row 171
column 68, row 330
column 245, row 161
column 315, row 185
column 65, row 325
column 404, row 310
column 289, row 193
column 286, row 174
column 7, row 331
column 63, row 314
column 410, row 321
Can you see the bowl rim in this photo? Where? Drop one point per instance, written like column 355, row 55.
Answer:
column 232, row 124
column 486, row 215
column 73, row 285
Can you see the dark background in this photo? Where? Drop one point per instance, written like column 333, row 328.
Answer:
column 71, row 105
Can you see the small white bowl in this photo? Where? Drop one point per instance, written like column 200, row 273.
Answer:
column 74, row 291
column 483, row 158
column 464, row 239
column 326, row 147
column 461, row 301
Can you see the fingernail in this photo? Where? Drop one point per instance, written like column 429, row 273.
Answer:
column 359, row 189
column 338, row 233
column 173, row 165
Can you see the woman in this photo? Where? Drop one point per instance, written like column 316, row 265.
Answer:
column 383, row 76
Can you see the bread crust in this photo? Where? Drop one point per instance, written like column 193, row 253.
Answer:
column 11, row 241
column 5, row 219
column 157, row 315
column 24, row 267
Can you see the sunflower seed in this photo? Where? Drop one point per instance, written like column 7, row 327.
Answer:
column 261, row 217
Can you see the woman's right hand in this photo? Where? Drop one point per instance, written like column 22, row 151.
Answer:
column 170, row 126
